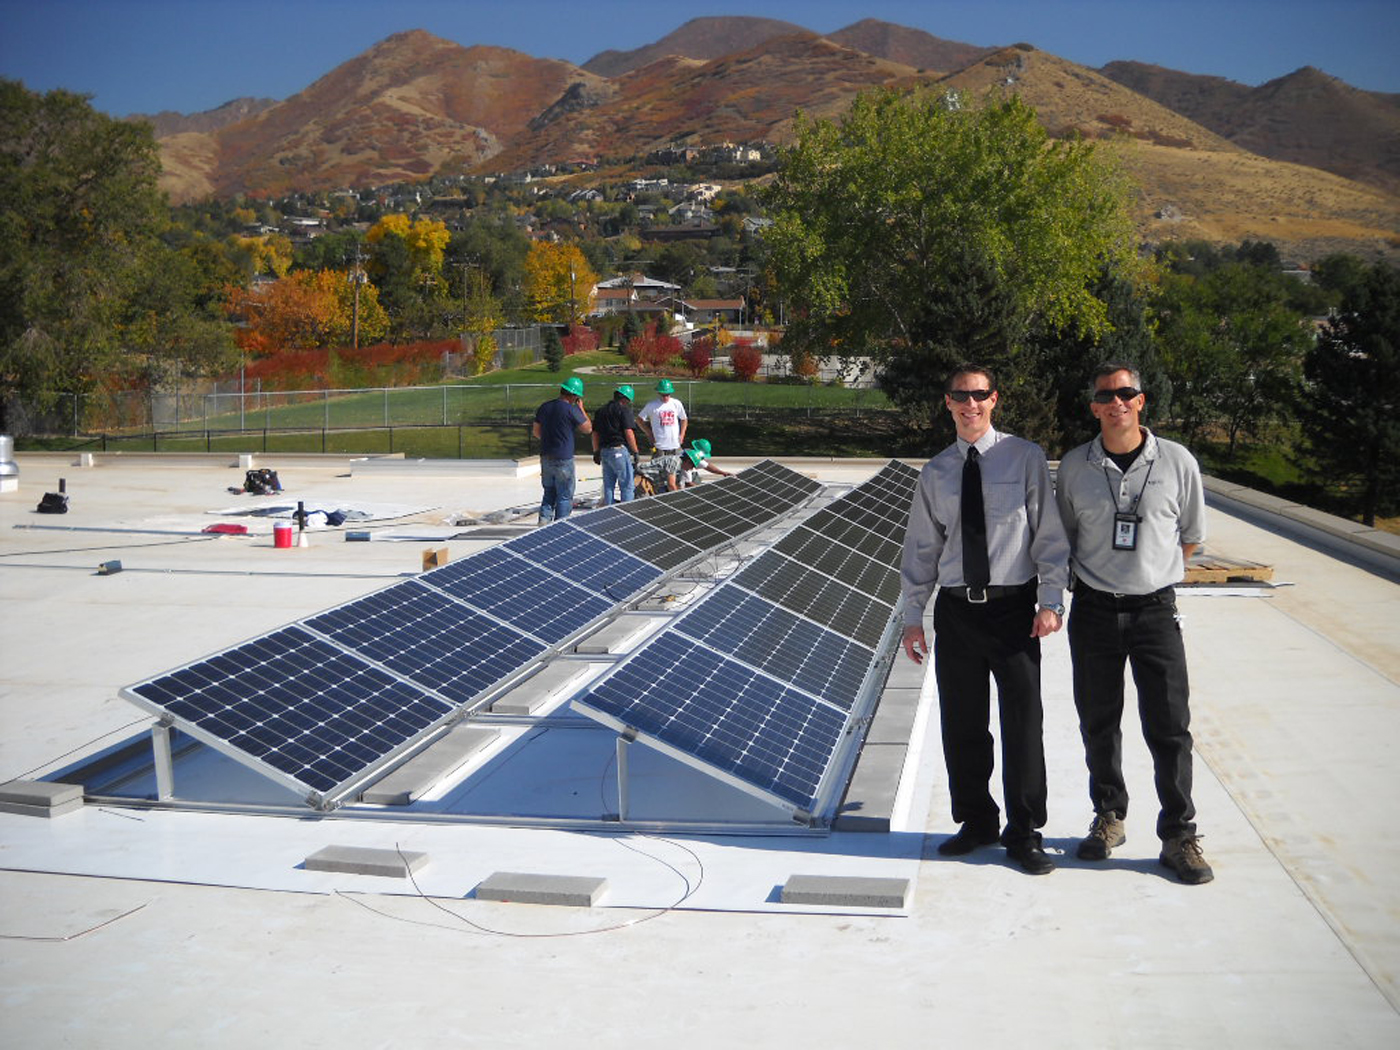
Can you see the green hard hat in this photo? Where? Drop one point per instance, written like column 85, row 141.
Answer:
column 626, row 391
column 695, row 458
column 702, row 445
column 574, row 385
column 665, row 387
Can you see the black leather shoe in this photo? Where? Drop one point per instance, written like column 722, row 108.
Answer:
column 968, row 839
column 1029, row 856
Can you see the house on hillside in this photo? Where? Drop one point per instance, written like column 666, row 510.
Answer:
column 648, row 289
column 609, row 301
column 712, row 311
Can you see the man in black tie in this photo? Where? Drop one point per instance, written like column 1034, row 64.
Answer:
column 985, row 530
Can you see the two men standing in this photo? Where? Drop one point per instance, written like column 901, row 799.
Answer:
column 987, row 530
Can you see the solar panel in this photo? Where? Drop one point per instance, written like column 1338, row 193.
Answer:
column 430, row 639
column 297, row 704
column 523, row 594
column 783, row 644
column 776, row 660
column 725, row 714
column 322, row 703
column 817, row 596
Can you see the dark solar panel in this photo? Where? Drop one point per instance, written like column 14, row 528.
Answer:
column 533, row 599
column 585, row 560
column 636, row 536
column 849, row 566
column 818, row 597
column 299, row 705
column 785, row 645
column 430, row 639
column 726, row 715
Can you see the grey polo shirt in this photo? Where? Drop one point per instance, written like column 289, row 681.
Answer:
column 1165, row 484
column 1024, row 536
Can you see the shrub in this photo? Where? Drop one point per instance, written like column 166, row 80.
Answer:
column 746, row 359
column 580, row 340
column 652, row 349
column 553, row 350
column 698, row 356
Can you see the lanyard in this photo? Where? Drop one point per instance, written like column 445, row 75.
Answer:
column 1113, row 493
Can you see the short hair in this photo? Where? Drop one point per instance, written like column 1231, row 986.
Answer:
column 968, row 368
column 1107, row 368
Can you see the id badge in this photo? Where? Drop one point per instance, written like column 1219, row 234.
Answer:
column 1125, row 531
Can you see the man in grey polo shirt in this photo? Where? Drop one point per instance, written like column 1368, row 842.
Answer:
column 984, row 529
column 1133, row 506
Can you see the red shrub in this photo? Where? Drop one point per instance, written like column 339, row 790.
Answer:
column 580, row 340
column 699, row 355
column 652, row 349
column 745, row 359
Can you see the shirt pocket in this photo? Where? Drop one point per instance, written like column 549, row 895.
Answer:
column 1005, row 501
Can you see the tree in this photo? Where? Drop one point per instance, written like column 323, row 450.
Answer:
column 558, row 282
column 745, row 360
column 1350, row 409
column 921, row 235
column 79, row 214
column 1232, row 347
column 483, row 316
column 306, row 310
column 698, row 355
column 553, row 349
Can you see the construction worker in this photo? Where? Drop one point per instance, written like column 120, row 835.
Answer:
column 698, row 459
column 664, row 421
column 556, row 422
column 615, row 444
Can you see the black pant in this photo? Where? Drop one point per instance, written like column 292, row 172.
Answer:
column 972, row 642
column 1143, row 631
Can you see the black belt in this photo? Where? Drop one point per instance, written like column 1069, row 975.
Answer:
column 978, row 595
column 1083, row 592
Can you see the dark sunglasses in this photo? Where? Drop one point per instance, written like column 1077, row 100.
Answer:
column 962, row 395
column 1105, row 397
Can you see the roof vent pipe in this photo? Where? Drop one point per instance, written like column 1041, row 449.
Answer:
column 9, row 469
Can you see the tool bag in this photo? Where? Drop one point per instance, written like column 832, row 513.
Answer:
column 53, row 503
column 261, row 482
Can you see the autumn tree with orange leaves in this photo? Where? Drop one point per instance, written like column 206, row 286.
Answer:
column 302, row 311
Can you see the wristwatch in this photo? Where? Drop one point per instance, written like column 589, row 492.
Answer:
column 1058, row 610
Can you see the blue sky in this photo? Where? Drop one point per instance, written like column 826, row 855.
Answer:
column 191, row 55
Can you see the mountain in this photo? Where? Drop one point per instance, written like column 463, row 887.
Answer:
column 167, row 122
column 910, row 47
column 1306, row 117
column 702, row 38
column 415, row 104
column 399, row 112
column 752, row 94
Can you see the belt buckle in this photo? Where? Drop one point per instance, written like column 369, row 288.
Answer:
column 977, row 601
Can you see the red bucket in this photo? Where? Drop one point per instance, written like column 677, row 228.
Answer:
column 281, row 534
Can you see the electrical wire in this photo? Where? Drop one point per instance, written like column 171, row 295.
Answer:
column 120, row 729
column 116, row 546
column 72, row 936
column 473, row 927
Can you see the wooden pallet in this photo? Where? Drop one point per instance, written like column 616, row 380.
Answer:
column 1212, row 568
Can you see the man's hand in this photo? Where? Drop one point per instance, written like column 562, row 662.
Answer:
column 915, row 643
column 598, row 458
column 1046, row 623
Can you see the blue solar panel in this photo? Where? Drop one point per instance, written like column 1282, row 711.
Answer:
column 637, row 537
column 532, row 599
column 430, row 639
column 725, row 714
column 298, row 704
column 784, row 645
column 585, row 560
column 817, row 596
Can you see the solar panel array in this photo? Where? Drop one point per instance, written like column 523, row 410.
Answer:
column 321, row 703
column 760, row 679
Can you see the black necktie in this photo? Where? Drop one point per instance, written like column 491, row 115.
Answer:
column 977, row 570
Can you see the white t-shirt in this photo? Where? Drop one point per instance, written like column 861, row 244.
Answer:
column 664, row 418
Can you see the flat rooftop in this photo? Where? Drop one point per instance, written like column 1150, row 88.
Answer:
column 122, row 926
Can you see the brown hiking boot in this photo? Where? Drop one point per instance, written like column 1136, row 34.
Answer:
column 1183, row 855
column 1104, row 833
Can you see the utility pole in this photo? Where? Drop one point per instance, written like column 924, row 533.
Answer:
column 356, row 277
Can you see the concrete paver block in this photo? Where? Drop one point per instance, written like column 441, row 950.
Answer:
column 416, row 776
column 364, row 860
column 905, row 673
column 846, row 891
column 613, row 637
column 43, row 793
column 579, row 891
column 537, row 690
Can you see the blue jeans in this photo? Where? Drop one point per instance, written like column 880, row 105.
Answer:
column 617, row 470
column 557, row 475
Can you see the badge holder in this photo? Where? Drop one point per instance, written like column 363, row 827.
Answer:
column 1125, row 530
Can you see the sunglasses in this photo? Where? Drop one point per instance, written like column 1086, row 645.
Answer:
column 962, row 395
column 1105, row 397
